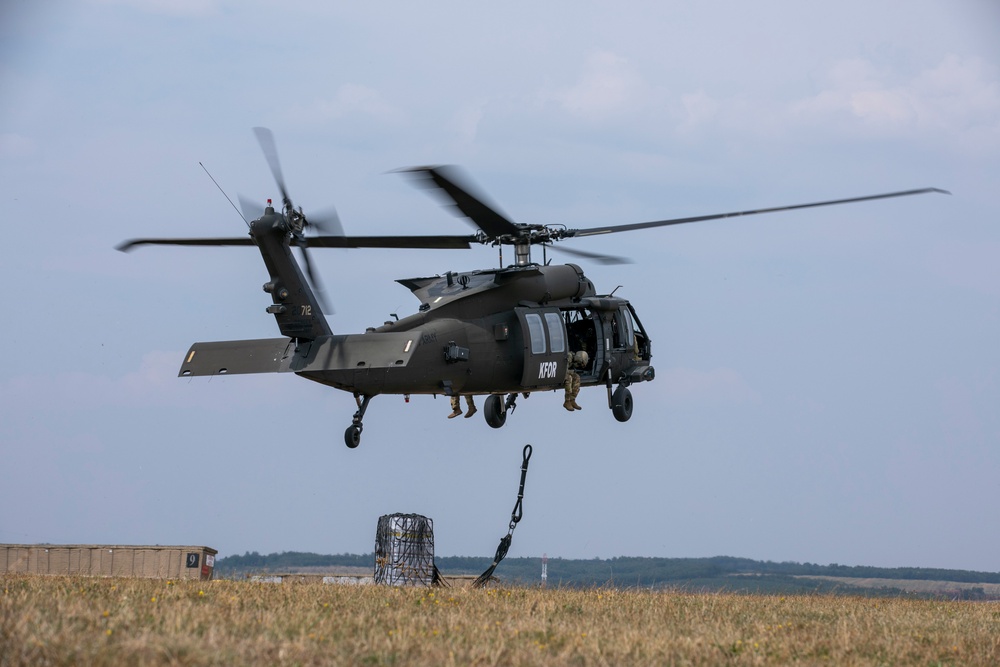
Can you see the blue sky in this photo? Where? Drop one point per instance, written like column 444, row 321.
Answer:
column 827, row 380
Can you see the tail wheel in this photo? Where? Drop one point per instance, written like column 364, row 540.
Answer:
column 496, row 411
column 352, row 436
column 621, row 404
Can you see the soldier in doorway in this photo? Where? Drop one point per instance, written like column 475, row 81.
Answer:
column 456, row 406
column 574, row 360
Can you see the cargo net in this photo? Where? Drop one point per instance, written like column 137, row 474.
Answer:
column 404, row 551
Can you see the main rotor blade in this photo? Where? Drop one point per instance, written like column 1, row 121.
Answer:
column 597, row 257
column 324, row 303
column 423, row 242
column 417, row 242
column 266, row 141
column 701, row 218
column 457, row 190
column 126, row 246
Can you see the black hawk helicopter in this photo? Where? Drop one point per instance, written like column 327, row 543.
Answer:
column 504, row 332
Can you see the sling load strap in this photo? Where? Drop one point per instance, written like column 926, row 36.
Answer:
column 515, row 517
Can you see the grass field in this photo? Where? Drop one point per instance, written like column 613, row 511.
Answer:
column 93, row 621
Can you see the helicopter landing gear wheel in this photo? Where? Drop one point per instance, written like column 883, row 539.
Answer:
column 496, row 411
column 352, row 436
column 621, row 404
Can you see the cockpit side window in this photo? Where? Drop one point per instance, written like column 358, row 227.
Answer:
column 622, row 332
column 628, row 331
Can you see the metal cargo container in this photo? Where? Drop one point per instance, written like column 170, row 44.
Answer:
column 107, row 560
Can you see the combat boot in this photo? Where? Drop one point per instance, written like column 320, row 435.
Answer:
column 568, row 404
column 457, row 412
column 576, row 406
column 472, row 410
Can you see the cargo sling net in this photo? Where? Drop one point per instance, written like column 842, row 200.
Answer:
column 404, row 545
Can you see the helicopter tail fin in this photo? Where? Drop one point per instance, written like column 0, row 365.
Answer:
column 295, row 305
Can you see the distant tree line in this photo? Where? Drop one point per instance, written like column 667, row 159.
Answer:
column 721, row 573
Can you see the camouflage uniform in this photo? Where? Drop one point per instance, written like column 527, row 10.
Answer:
column 456, row 407
column 572, row 382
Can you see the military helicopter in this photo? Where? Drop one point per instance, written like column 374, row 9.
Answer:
column 504, row 332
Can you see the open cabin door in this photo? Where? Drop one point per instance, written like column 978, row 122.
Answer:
column 544, row 335
column 584, row 332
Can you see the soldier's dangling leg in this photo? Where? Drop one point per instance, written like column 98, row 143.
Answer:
column 572, row 387
column 471, row 405
column 576, row 391
column 456, row 407
column 568, row 386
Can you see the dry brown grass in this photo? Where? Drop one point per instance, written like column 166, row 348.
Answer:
column 75, row 620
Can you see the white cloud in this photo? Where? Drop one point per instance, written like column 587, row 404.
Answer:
column 467, row 121
column 154, row 383
column 351, row 99
column 699, row 109
column 608, row 87
column 958, row 99
column 83, row 390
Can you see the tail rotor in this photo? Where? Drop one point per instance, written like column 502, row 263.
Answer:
column 327, row 221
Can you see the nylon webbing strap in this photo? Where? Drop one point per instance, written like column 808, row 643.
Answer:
column 515, row 517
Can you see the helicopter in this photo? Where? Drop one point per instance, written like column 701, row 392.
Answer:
column 506, row 332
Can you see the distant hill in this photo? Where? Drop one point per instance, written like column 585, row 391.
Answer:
column 720, row 573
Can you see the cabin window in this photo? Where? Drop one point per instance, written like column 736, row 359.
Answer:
column 557, row 341
column 622, row 330
column 536, row 333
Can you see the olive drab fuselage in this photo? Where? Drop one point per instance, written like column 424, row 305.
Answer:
column 495, row 331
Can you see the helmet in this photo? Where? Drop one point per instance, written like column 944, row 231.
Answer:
column 581, row 358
